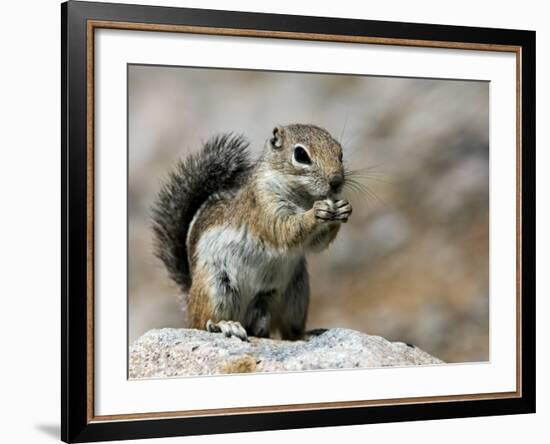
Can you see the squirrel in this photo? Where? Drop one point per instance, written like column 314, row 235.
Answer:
column 233, row 234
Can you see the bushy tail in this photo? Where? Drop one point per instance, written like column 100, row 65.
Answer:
column 222, row 164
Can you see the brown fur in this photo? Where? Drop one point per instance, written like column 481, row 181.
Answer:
column 199, row 309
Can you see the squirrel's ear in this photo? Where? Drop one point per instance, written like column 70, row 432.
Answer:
column 277, row 139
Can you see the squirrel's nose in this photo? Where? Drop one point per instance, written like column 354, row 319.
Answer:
column 336, row 182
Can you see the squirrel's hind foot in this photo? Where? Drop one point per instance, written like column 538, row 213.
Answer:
column 228, row 328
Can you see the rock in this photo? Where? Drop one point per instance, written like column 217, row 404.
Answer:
column 186, row 352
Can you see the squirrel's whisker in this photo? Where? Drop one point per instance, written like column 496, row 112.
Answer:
column 363, row 190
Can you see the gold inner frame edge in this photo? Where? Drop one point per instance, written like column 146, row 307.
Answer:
column 234, row 32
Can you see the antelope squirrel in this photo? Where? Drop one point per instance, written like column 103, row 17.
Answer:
column 234, row 233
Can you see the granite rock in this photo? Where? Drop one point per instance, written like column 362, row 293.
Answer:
column 172, row 352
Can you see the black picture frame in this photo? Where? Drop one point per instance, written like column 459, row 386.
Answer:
column 76, row 423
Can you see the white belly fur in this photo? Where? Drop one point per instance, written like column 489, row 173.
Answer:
column 252, row 266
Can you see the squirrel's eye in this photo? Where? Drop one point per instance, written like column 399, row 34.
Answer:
column 301, row 155
column 341, row 157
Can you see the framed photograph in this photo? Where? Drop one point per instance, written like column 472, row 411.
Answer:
column 275, row 221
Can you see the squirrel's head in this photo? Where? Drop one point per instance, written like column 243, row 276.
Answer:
column 309, row 158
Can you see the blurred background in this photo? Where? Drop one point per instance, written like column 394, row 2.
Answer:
column 412, row 264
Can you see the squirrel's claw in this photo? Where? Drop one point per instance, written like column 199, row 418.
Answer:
column 228, row 328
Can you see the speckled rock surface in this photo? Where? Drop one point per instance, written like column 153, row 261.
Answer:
column 186, row 352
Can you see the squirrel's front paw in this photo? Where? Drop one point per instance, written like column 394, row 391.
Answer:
column 228, row 328
column 342, row 210
column 323, row 210
column 330, row 211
